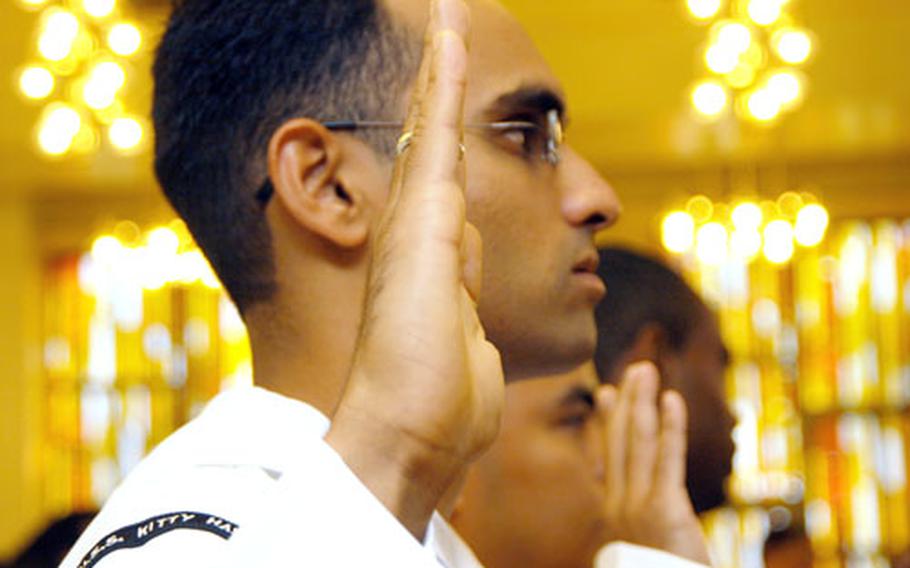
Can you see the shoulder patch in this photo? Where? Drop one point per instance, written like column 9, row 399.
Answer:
column 134, row 536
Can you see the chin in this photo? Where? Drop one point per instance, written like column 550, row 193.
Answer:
column 556, row 357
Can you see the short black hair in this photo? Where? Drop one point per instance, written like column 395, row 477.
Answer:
column 641, row 290
column 227, row 74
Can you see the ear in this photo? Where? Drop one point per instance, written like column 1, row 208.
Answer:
column 304, row 162
column 648, row 345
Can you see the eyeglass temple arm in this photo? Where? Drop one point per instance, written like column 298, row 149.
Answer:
column 358, row 125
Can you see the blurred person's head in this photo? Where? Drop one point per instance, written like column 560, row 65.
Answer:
column 535, row 498
column 650, row 313
column 284, row 206
column 50, row 546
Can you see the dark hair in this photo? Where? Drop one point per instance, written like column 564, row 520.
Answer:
column 227, row 74
column 640, row 291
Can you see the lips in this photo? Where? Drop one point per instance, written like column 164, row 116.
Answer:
column 584, row 273
column 588, row 264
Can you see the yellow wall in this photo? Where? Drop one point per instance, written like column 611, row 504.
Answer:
column 20, row 385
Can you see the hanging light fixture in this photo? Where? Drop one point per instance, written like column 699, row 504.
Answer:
column 81, row 72
column 754, row 55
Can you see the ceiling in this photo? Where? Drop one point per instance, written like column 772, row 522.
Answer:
column 627, row 66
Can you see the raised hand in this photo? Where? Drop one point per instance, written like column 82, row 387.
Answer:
column 645, row 466
column 425, row 390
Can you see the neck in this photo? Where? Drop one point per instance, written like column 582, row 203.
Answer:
column 303, row 339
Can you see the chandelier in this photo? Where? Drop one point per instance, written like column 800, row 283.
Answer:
column 754, row 60
column 79, row 71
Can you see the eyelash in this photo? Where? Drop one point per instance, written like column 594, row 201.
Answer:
column 577, row 420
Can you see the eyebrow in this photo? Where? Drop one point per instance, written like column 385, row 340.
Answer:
column 532, row 100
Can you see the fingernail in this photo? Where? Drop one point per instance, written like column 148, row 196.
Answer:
column 451, row 15
column 606, row 396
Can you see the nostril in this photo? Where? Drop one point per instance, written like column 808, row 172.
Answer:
column 596, row 220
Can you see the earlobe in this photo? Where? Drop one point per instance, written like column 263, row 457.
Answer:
column 304, row 160
column 648, row 344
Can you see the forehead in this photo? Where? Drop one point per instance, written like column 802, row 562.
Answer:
column 503, row 59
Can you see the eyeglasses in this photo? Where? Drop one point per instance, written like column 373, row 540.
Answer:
column 542, row 141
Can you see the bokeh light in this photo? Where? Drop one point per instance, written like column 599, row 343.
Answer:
column 792, row 46
column 36, row 82
column 811, row 225
column 747, row 216
column 763, row 105
column 57, row 129
column 778, row 246
column 99, row 8
column 60, row 30
column 678, row 232
column 709, row 98
column 703, row 9
column 765, row 12
column 711, row 243
column 124, row 39
column 125, row 134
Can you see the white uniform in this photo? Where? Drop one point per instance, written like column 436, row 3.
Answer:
column 250, row 482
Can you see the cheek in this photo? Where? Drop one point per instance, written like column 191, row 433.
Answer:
column 518, row 217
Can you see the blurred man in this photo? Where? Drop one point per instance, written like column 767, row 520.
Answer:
column 539, row 497
column 651, row 314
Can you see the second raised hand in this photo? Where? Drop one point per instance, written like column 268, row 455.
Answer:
column 645, row 466
column 425, row 390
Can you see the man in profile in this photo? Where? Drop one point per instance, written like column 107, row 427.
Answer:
column 344, row 189
column 541, row 496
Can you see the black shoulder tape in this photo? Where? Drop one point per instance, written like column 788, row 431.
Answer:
column 137, row 535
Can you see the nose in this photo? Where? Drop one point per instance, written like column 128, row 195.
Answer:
column 588, row 200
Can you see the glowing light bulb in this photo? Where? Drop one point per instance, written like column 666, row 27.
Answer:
column 747, row 215
column 110, row 74
column 36, row 82
column 746, row 243
column 789, row 203
column 703, row 9
column 105, row 80
column 163, row 241
column 58, row 128
column 733, row 36
column 700, row 207
column 778, row 247
column 124, row 39
column 59, row 32
column 720, row 59
column 709, row 98
column 678, row 232
column 765, row 12
column 811, row 225
column 792, row 46
column 86, row 140
column 711, row 244
column 786, row 87
column 763, row 106
column 99, row 8
column 742, row 76
column 106, row 249
column 125, row 134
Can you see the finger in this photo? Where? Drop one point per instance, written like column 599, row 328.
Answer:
column 615, row 451
column 449, row 15
column 606, row 400
column 671, row 467
column 472, row 261
column 644, row 436
column 605, row 404
column 444, row 15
